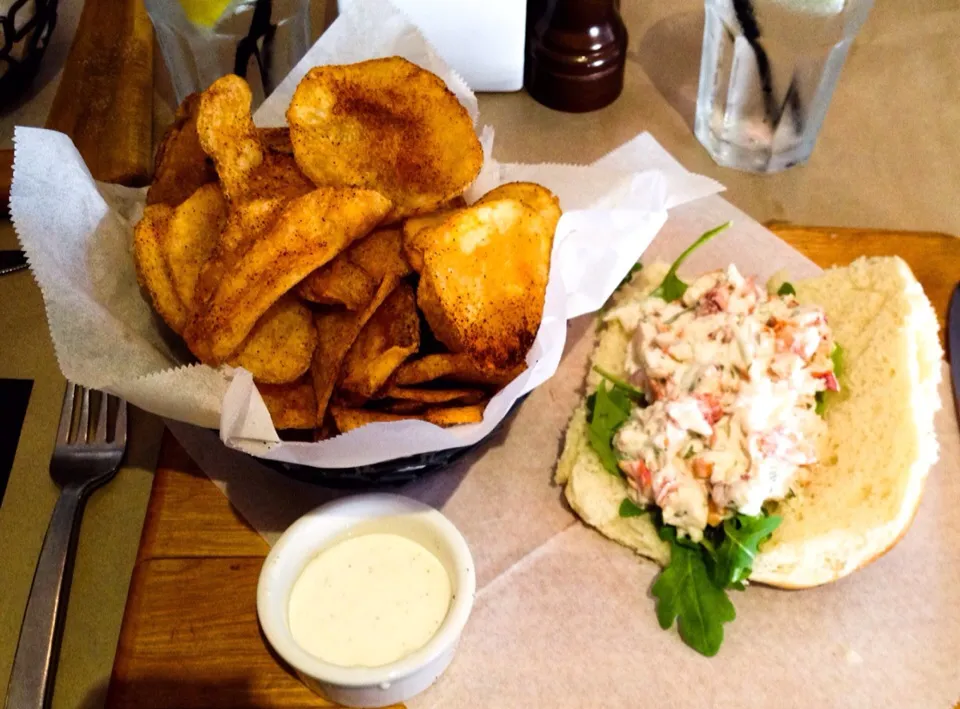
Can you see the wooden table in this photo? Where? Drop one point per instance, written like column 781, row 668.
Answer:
column 190, row 636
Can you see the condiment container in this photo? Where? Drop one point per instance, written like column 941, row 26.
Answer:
column 331, row 524
column 576, row 52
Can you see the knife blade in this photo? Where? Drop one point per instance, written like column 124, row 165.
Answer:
column 12, row 260
column 953, row 345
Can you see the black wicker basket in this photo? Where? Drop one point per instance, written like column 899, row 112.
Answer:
column 25, row 32
column 390, row 473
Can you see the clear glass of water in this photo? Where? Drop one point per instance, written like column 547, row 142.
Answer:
column 261, row 40
column 767, row 73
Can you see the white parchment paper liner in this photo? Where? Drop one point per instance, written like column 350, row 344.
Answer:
column 77, row 235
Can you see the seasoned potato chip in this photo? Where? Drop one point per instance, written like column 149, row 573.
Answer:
column 340, row 282
column 152, row 271
column 290, row 405
column 387, row 125
column 390, row 336
column 352, row 277
column 434, row 396
column 401, row 406
column 380, row 254
column 455, row 415
column 456, row 367
column 245, row 224
column 192, row 236
column 336, row 332
column 535, row 196
column 484, row 281
column 349, row 419
column 419, row 233
column 280, row 347
column 310, row 231
column 181, row 166
column 228, row 135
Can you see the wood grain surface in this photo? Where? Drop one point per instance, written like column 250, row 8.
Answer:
column 190, row 636
column 104, row 101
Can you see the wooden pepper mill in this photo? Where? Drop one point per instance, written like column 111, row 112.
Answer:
column 575, row 53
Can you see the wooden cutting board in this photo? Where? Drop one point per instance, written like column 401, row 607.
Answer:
column 190, row 636
column 105, row 98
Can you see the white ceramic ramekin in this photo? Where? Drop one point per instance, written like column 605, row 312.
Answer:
column 366, row 514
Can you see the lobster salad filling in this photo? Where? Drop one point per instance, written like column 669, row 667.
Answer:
column 733, row 379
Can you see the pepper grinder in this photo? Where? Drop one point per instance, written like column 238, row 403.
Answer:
column 575, row 53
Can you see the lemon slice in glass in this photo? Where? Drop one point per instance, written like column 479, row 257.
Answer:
column 204, row 13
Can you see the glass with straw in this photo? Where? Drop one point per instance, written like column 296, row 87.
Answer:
column 202, row 40
column 767, row 73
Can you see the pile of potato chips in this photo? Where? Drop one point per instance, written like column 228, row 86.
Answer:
column 335, row 259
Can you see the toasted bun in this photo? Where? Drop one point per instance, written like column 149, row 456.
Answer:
column 875, row 458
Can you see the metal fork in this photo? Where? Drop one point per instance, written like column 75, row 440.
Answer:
column 85, row 457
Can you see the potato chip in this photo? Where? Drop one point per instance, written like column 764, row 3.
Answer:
column 387, row 125
column 380, row 254
column 401, row 406
column 484, row 281
column 181, row 166
column 152, row 271
column 340, row 282
column 349, row 419
column 352, row 277
column 390, row 336
column 419, row 234
column 309, row 232
column 290, row 405
column 434, row 396
column 455, row 367
column 455, row 415
column 246, row 223
column 191, row 237
column 228, row 135
column 336, row 333
column 280, row 346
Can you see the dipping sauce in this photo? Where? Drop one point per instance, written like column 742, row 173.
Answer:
column 369, row 601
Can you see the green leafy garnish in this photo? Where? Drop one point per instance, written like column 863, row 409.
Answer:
column 672, row 287
column 836, row 356
column 629, row 508
column 742, row 537
column 629, row 389
column 626, row 279
column 686, row 594
column 607, row 410
column 786, row 288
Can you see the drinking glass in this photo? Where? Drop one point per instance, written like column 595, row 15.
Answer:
column 767, row 73
column 261, row 40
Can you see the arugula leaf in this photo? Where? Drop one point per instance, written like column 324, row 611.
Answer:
column 629, row 389
column 607, row 410
column 837, row 357
column 685, row 593
column 786, row 288
column 672, row 287
column 629, row 508
column 742, row 537
column 626, row 279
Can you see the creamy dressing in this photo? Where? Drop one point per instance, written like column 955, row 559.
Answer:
column 369, row 601
column 731, row 374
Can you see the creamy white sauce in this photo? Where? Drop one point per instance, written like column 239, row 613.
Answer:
column 369, row 601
